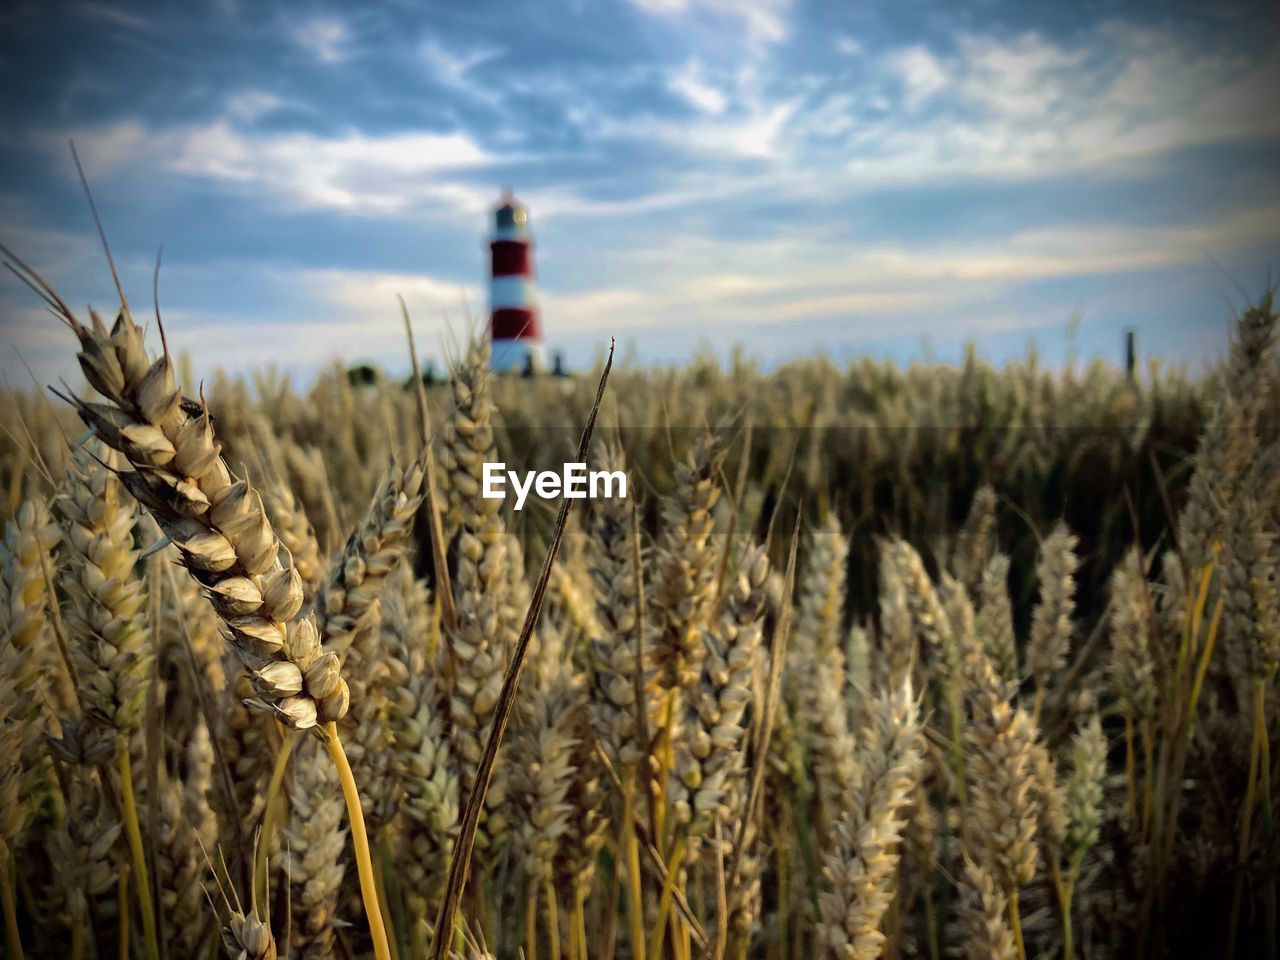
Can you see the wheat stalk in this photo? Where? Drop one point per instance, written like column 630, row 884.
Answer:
column 220, row 527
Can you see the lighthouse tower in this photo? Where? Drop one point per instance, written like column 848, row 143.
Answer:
column 513, row 317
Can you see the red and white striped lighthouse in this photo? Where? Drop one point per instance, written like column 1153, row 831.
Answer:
column 513, row 305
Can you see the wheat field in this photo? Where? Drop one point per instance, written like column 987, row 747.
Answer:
column 923, row 662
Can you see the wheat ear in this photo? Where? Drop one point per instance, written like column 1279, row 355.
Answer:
column 1051, row 620
column 983, row 931
column 858, row 867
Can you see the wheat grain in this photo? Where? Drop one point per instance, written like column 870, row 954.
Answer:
column 683, row 569
column 82, row 849
column 859, row 864
column 349, row 618
column 23, row 647
column 710, row 759
column 929, row 619
column 1132, row 668
column 1000, row 739
column 215, row 519
column 422, row 751
column 982, row 931
column 1051, row 620
column 973, row 546
column 316, row 842
column 994, row 622
column 545, row 757
column 106, row 619
column 179, row 871
column 898, row 640
column 1083, row 789
column 612, row 557
column 298, row 536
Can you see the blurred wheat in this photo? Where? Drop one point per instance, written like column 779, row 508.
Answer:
column 1023, row 711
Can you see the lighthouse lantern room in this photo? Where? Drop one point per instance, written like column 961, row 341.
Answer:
column 513, row 318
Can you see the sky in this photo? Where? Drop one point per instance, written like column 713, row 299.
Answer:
column 781, row 177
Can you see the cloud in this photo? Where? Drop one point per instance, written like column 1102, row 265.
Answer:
column 249, row 105
column 357, row 173
column 921, row 73
column 688, row 83
column 362, row 290
column 451, row 67
column 1026, row 108
column 326, row 38
column 298, row 318
column 880, row 286
column 1016, row 107
column 343, row 315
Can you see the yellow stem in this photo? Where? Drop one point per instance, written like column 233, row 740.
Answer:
column 664, row 904
column 580, row 924
column 360, row 841
column 531, row 926
column 270, row 815
column 665, row 762
column 1068, row 930
column 1203, row 667
column 125, row 768
column 635, row 889
column 553, row 917
column 1015, row 921
column 13, row 943
column 77, row 939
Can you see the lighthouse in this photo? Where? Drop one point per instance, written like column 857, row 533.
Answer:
column 513, row 307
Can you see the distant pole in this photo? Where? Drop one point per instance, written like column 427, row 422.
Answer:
column 1131, row 353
